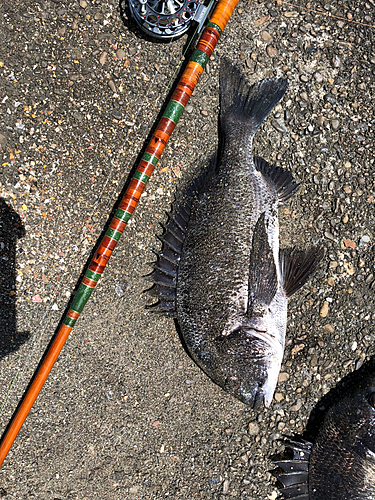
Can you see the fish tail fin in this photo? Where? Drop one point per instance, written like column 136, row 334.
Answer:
column 243, row 104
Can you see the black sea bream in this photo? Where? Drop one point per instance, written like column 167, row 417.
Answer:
column 341, row 463
column 220, row 272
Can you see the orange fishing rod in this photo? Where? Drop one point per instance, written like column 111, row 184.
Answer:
column 150, row 159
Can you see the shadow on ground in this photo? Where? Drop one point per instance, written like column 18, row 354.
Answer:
column 11, row 229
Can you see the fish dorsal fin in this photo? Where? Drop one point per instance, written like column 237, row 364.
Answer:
column 262, row 275
column 292, row 473
column 281, row 179
column 243, row 103
column 164, row 275
column 297, row 266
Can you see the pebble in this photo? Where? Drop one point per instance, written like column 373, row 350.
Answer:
column 279, row 126
column 336, row 61
column 324, row 309
column 328, row 328
column 349, row 243
column 134, row 490
column 83, row 4
column 103, row 58
column 292, row 13
column 266, row 37
column 271, row 51
column 349, row 268
column 364, row 239
column 331, row 281
column 189, row 108
column 111, row 83
column 297, row 406
column 335, row 124
column 226, row 486
column 283, row 376
column 120, row 54
column 278, row 397
column 204, row 112
column 253, row 429
column 318, row 77
column 3, row 141
column 120, row 290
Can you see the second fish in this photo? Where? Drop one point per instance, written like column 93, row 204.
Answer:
column 220, row 272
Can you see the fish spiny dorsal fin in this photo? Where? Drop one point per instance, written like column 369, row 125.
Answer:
column 292, row 472
column 297, row 266
column 164, row 275
column 281, row 179
column 249, row 105
column 262, row 275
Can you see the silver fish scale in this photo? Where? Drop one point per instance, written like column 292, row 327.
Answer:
column 213, row 275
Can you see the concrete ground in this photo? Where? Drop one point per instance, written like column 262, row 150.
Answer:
column 125, row 413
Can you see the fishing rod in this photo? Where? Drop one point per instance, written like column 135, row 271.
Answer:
column 125, row 210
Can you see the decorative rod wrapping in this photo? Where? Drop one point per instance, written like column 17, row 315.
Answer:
column 150, row 159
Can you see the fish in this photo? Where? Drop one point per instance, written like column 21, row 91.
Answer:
column 340, row 465
column 220, row 272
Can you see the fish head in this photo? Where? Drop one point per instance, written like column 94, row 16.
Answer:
column 250, row 361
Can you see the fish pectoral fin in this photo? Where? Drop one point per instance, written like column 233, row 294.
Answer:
column 262, row 275
column 297, row 266
column 282, row 180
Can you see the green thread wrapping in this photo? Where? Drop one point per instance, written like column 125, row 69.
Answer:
column 122, row 215
column 91, row 275
column 141, row 177
column 150, row 159
column 174, row 111
column 69, row 321
column 215, row 27
column 199, row 57
column 113, row 234
column 82, row 296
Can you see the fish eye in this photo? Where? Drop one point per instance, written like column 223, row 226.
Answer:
column 371, row 399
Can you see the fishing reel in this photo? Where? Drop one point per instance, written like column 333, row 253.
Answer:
column 166, row 19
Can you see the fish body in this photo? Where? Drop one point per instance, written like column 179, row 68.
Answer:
column 220, row 272
column 341, row 463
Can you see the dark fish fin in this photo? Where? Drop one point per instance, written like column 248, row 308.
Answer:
column 245, row 104
column 281, row 179
column 293, row 470
column 164, row 275
column 262, row 275
column 297, row 266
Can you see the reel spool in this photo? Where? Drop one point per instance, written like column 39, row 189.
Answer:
column 165, row 19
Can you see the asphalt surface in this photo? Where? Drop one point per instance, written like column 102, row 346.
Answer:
column 125, row 413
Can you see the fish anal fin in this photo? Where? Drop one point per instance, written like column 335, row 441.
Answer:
column 262, row 275
column 282, row 180
column 297, row 266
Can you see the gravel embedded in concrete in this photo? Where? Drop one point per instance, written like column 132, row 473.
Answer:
column 125, row 413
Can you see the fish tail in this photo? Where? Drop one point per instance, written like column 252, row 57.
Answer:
column 245, row 105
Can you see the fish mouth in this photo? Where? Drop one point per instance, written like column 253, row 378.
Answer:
column 252, row 360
